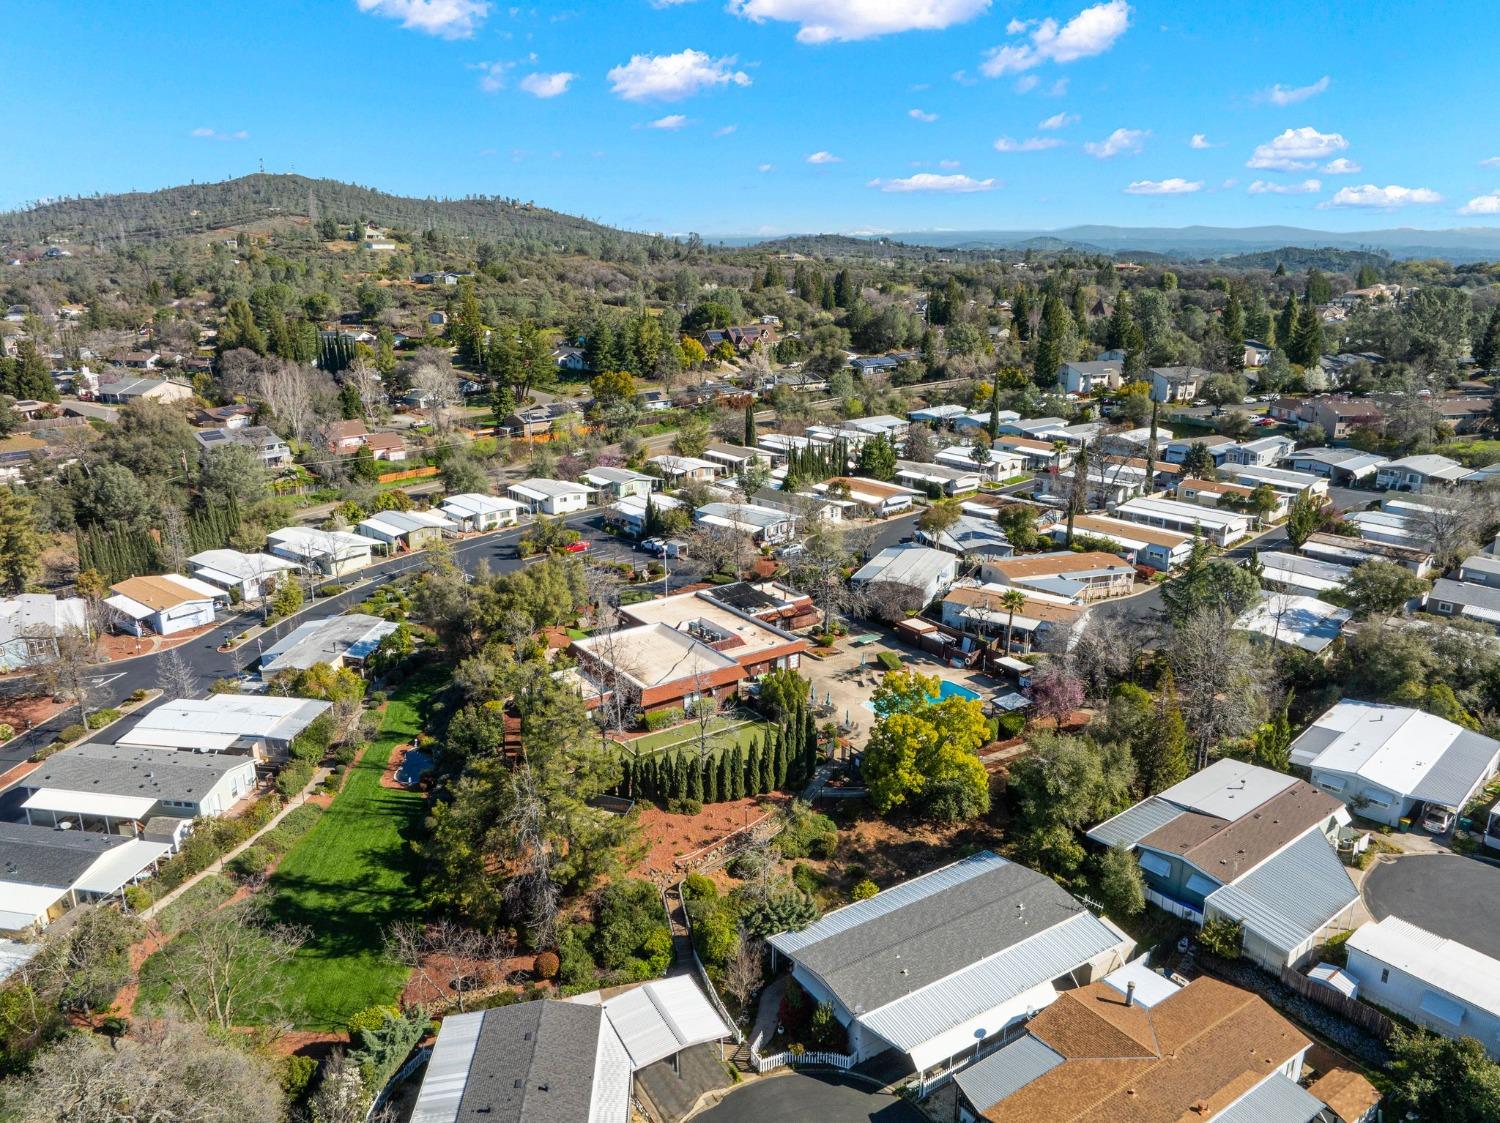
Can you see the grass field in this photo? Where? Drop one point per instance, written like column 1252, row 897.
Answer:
column 727, row 730
column 345, row 881
column 350, row 877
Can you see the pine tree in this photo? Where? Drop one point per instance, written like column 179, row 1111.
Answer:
column 1307, row 339
column 1020, row 315
column 1117, row 331
column 1049, row 342
column 994, row 425
column 1487, row 354
column 1234, row 335
column 1163, row 759
column 1286, row 324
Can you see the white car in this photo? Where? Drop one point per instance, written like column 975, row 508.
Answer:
column 1437, row 820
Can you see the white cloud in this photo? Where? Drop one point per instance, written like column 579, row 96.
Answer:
column 1200, row 140
column 547, row 85
column 1121, row 142
column 671, row 121
column 949, row 165
column 1057, row 89
column 922, row 115
column 204, row 133
column 673, row 77
column 939, row 184
column 449, row 19
column 1482, row 204
column 765, row 168
column 1173, row 186
column 1490, row 162
column 1091, row 32
column 1058, row 121
column 1016, row 26
column 824, row 21
column 1291, row 95
column 1266, row 187
column 725, row 130
column 494, row 76
column 1368, row 195
column 1026, row 83
column 1296, row 150
column 821, row 157
column 1342, row 166
column 1030, row 144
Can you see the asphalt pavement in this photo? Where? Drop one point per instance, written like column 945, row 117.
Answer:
column 806, row 1095
column 1450, row 895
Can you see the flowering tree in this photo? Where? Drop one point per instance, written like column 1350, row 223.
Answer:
column 1055, row 693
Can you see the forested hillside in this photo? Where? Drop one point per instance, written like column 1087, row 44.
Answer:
column 195, row 208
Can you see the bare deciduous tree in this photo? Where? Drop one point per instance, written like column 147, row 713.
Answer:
column 367, row 385
column 745, row 970
column 449, row 956
column 175, row 677
column 1219, row 684
column 891, row 600
column 290, row 392
column 531, row 892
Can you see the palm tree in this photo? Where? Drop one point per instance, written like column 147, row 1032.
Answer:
column 1012, row 600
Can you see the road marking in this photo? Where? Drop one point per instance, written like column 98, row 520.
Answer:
column 105, row 680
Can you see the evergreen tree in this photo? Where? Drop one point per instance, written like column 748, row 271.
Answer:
column 994, row 425
column 1117, row 331
column 1163, row 759
column 809, row 745
column 785, row 746
column 750, row 423
column 844, row 289
column 680, row 781
column 1234, row 335
column 767, row 782
column 1368, row 275
column 1487, row 354
column 1307, row 339
column 1286, row 324
column 751, row 784
column 1020, row 315
column 723, row 782
column 736, row 786
column 701, row 781
column 1319, row 288
column 877, row 458
column 1049, row 342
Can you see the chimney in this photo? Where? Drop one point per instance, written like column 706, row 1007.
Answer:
column 1130, row 994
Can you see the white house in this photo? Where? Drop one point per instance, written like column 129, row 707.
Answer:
column 1417, row 473
column 258, row 724
column 1278, row 479
column 473, row 511
column 331, row 552
column 1299, row 621
column 1263, row 451
column 1221, row 527
column 1436, row 982
column 550, row 497
column 49, row 871
column 337, row 641
column 926, row 571
column 940, row 962
column 619, row 483
column 1294, row 574
column 1176, row 384
column 629, row 514
column 167, row 604
column 944, row 479
column 763, row 524
column 1086, row 377
column 1343, row 466
column 400, row 531
column 248, row 575
column 674, row 469
column 30, row 624
column 1000, row 463
column 1386, row 761
column 1143, row 545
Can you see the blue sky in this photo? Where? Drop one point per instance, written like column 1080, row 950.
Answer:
column 772, row 116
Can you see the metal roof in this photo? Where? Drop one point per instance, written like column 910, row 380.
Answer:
column 1135, row 823
column 219, row 722
column 918, row 566
column 1228, row 789
column 1274, row 1100
column 1286, row 900
column 664, row 1017
column 322, row 641
column 1006, row 1071
column 1466, row 763
column 1451, row 967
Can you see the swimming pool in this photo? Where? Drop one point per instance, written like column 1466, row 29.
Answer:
column 946, row 690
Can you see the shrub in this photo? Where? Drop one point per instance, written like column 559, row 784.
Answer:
column 294, row 777
column 807, row 834
column 889, row 660
column 296, row 1075
column 250, row 861
column 863, row 890
column 546, row 965
column 684, row 806
column 100, row 718
column 70, row 733
column 661, row 719
column 807, row 879
column 371, row 1018
column 698, row 887
column 1222, row 937
column 332, row 590
column 138, row 696
column 1008, row 726
column 138, row 897
column 6, row 731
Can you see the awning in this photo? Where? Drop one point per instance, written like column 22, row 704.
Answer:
column 662, row 1018
column 90, row 803
column 1200, row 884
column 21, row 904
column 121, row 865
column 1442, row 1007
column 1155, row 863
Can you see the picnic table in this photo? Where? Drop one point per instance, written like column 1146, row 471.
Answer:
column 865, row 640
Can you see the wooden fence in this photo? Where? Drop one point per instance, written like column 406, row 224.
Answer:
column 796, row 1060
column 1366, row 1017
column 407, row 474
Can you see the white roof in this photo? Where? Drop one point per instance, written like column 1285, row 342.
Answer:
column 1150, row 987
column 537, row 488
column 1284, row 476
column 121, row 864
column 635, row 505
column 1186, row 512
column 740, row 516
column 471, row 503
column 1453, row 968
column 1395, row 748
column 1430, row 464
column 29, row 611
column 22, row 902
column 662, row 1018
column 680, row 464
column 239, row 566
column 652, row 655
column 1305, row 622
column 90, row 803
column 218, row 722
column 909, row 565
column 13, row 955
column 1228, row 789
column 962, row 456
column 615, row 475
column 310, row 543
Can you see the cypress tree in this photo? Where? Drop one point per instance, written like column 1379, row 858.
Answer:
column 768, row 762
column 723, row 783
column 752, row 769
column 809, row 745
column 679, row 776
column 780, row 764
column 750, row 423
column 736, row 788
column 694, row 779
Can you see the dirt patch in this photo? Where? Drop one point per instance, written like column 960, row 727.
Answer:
column 432, row 983
column 22, row 714
column 887, row 852
column 672, row 836
column 115, row 647
column 308, row 1043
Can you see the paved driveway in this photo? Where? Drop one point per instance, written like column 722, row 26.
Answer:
column 1447, row 894
column 806, row 1096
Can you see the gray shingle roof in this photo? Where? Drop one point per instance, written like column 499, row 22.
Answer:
column 126, row 770
column 46, row 856
column 533, row 1063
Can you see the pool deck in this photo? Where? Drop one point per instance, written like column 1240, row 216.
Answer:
column 840, row 676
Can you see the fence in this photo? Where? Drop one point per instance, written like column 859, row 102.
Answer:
column 407, row 474
column 828, row 1060
column 1366, row 1017
column 1177, row 908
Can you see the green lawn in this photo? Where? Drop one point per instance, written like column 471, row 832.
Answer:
column 345, row 881
column 727, row 730
column 350, row 877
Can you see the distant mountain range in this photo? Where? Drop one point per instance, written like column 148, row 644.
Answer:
column 1195, row 242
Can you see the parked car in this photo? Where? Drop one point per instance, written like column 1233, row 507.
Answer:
column 576, row 547
column 1437, row 820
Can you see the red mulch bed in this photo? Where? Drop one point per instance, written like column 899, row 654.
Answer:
column 670, row 836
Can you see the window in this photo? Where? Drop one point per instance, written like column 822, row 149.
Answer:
column 1385, row 974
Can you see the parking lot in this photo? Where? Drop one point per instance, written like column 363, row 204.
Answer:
column 810, row 1096
column 1450, row 895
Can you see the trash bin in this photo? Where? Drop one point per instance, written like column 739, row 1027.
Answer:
column 1404, row 826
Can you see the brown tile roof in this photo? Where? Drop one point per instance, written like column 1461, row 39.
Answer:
column 1116, row 528
column 156, row 593
column 1212, row 1043
column 1184, row 833
column 1037, row 610
column 1233, row 851
column 1217, row 487
column 1045, row 566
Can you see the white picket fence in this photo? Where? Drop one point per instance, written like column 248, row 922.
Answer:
column 778, row 1060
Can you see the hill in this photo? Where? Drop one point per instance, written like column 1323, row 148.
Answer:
column 201, row 207
column 1299, row 259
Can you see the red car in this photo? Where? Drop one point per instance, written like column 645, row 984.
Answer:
column 575, row 547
